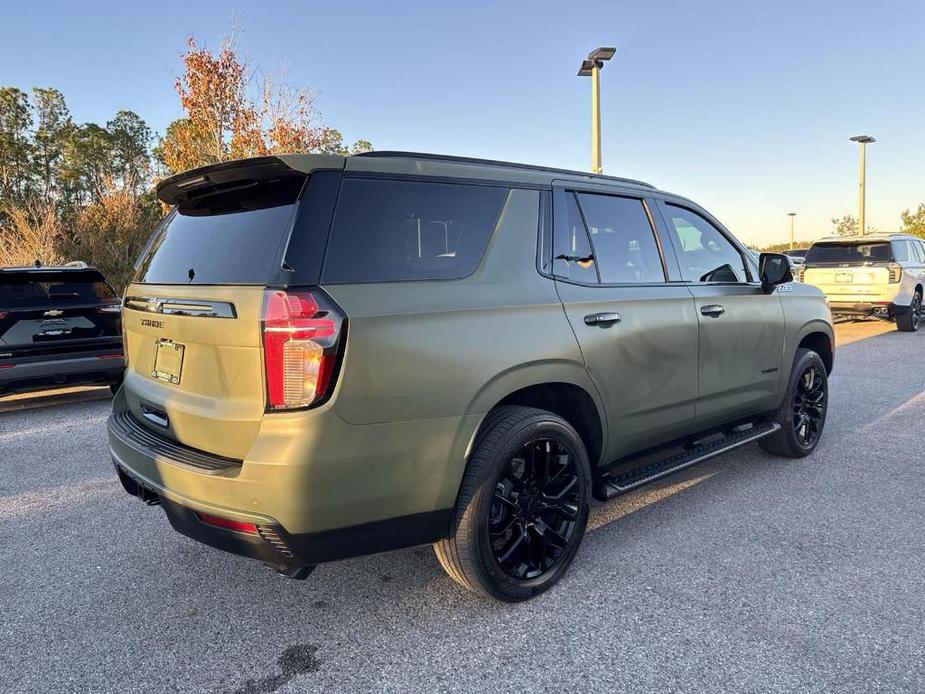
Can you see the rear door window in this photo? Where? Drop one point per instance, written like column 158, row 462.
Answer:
column 623, row 239
column 388, row 230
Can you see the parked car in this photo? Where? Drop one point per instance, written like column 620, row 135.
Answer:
column 335, row 356
column 872, row 275
column 797, row 256
column 59, row 326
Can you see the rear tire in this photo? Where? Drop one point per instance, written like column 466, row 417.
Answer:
column 522, row 507
column 802, row 414
column 908, row 322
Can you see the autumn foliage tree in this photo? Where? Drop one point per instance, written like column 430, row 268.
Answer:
column 231, row 114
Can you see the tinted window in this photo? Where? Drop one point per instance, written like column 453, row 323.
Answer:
column 409, row 230
column 703, row 251
column 573, row 256
column 230, row 238
column 851, row 252
column 902, row 252
column 27, row 290
column 622, row 238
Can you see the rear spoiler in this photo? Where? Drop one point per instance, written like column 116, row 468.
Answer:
column 189, row 185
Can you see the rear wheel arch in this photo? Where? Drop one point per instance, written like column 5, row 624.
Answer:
column 571, row 402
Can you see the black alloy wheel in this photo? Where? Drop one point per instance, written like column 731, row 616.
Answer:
column 522, row 508
column 809, row 406
column 535, row 510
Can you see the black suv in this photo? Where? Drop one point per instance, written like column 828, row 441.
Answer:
column 59, row 326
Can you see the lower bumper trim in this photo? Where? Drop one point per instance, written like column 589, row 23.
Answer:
column 285, row 551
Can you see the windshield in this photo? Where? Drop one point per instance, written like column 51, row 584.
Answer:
column 875, row 252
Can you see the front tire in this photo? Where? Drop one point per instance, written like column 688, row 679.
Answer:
column 908, row 322
column 522, row 507
column 802, row 414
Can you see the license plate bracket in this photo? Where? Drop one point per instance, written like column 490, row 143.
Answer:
column 168, row 361
column 54, row 327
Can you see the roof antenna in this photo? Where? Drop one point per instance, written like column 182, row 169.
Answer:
column 191, row 274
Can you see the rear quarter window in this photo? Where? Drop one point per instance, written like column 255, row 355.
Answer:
column 387, row 230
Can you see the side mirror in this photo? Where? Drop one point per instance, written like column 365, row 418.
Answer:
column 774, row 269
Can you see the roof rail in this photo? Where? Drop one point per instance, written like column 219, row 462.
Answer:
column 507, row 164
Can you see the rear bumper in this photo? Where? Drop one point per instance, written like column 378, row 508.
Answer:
column 53, row 373
column 275, row 545
column 347, row 490
column 881, row 309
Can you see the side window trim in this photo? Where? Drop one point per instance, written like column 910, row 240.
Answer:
column 664, row 203
column 665, row 240
column 544, row 244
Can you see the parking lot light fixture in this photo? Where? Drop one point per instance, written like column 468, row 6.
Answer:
column 792, row 216
column 863, row 140
column 591, row 67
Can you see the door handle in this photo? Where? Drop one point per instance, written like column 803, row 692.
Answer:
column 713, row 310
column 603, row 319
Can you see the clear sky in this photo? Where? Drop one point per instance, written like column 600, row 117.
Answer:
column 743, row 106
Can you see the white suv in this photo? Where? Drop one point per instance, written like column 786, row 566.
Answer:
column 872, row 275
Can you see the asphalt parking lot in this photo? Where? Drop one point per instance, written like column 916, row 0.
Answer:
column 746, row 574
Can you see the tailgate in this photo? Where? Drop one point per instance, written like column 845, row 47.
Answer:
column 192, row 313
column 195, row 369
column 847, row 279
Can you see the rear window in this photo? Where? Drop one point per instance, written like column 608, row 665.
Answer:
column 876, row 252
column 35, row 290
column 388, row 230
column 230, row 237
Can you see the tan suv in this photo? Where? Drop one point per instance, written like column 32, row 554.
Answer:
column 872, row 275
column 334, row 356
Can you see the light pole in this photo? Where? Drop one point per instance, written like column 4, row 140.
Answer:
column 592, row 68
column 792, row 215
column 862, row 190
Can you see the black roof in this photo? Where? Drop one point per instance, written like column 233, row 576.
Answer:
column 509, row 164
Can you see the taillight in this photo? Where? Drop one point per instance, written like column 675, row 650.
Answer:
column 110, row 309
column 301, row 331
column 896, row 273
column 3, row 314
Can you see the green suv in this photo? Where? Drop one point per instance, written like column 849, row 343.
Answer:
column 333, row 356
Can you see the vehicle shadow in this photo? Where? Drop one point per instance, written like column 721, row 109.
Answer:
column 19, row 402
